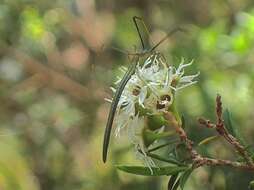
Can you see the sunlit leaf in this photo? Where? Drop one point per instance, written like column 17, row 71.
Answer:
column 240, row 43
column 208, row 39
column 208, row 140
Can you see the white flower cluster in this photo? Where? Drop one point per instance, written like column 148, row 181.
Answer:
column 151, row 88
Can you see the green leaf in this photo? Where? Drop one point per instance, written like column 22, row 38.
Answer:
column 155, row 121
column 150, row 136
column 183, row 121
column 232, row 129
column 208, row 140
column 182, row 152
column 168, row 160
column 251, row 185
column 249, row 148
column 172, row 181
column 145, row 171
column 229, row 124
column 173, row 141
column 184, row 177
column 176, row 185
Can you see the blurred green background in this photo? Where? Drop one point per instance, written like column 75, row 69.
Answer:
column 55, row 74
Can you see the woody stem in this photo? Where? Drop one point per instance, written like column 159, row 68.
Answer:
column 197, row 159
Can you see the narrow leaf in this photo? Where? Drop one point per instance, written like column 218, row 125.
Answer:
column 145, row 171
column 176, row 185
column 163, row 145
column 208, row 140
column 168, row 160
column 229, row 123
column 183, row 121
column 151, row 136
column 184, row 177
column 250, row 148
column 172, row 181
column 232, row 129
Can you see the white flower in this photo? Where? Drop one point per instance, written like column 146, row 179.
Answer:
column 176, row 75
column 151, row 87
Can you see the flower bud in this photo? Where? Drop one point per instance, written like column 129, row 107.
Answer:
column 149, row 137
column 155, row 122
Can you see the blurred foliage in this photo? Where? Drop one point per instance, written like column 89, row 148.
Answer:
column 54, row 76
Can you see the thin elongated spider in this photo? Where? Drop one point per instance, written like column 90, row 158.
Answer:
column 146, row 51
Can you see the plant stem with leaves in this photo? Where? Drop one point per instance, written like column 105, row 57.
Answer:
column 199, row 160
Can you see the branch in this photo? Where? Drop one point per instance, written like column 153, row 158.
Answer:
column 54, row 79
column 199, row 160
column 220, row 128
column 219, row 162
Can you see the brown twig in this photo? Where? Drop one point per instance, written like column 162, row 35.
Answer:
column 182, row 134
column 220, row 128
column 219, row 162
column 51, row 77
column 199, row 160
column 205, row 122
